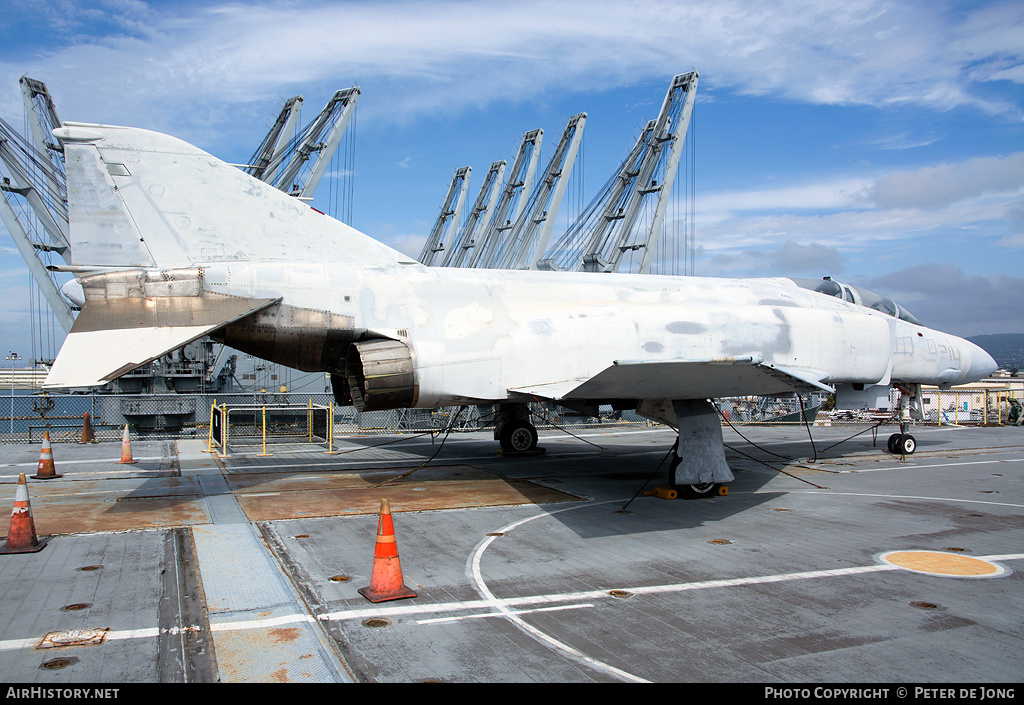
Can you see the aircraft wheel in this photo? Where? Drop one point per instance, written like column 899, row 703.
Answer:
column 698, row 491
column 908, row 444
column 518, row 436
column 894, row 443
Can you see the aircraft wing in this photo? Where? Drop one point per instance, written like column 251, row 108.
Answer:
column 112, row 337
column 685, row 379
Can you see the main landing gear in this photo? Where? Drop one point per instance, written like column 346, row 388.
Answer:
column 705, row 472
column 513, row 429
column 518, row 436
column 699, row 490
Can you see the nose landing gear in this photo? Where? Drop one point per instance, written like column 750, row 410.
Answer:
column 903, row 443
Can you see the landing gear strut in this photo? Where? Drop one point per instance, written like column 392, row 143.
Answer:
column 705, row 473
column 699, row 490
column 903, row 443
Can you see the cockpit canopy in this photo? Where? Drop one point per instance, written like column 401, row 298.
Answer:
column 857, row 295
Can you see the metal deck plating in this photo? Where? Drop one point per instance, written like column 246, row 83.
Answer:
column 846, row 569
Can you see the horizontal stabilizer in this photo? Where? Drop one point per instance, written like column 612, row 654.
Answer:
column 685, row 379
column 95, row 357
column 111, row 338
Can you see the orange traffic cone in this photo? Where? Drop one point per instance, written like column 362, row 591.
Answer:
column 87, row 435
column 21, row 538
column 46, row 470
column 386, row 581
column 126, row 449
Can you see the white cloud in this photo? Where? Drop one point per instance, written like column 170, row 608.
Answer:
column 939, row 186
column 410, row 245
column 427, row 58
column 902, row 141
column 840, row 193
column 942, row 296
column 195, row 69
column 788, row 259
column 857, row 213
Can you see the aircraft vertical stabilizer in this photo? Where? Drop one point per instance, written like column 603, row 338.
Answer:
column 141, row 199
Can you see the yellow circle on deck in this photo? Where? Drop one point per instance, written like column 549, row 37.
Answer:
column 938, row 563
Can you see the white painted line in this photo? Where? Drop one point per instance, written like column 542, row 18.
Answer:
column 901, row 496
column 502, row 604
column 146, row 633
column 388, row 463
column 482, row 615
column 112, row 461
column 240, row 625
column 15, row 644
column 907, row 466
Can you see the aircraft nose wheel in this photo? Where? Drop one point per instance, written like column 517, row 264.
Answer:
column 901, row 443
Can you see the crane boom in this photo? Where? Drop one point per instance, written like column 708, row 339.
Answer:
column 448, row 220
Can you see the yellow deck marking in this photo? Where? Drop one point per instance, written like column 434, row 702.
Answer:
column 939, row 563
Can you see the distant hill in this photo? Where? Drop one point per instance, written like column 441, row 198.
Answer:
column 1007, row 349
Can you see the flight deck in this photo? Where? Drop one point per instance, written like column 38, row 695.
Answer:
column 842, row 564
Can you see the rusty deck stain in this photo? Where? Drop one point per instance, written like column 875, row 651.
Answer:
column 85, row 506
column 125, row 504
column 273, row 496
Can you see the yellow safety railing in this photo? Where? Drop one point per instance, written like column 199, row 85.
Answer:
column 221, row 424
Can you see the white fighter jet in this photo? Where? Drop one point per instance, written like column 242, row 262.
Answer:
column 170, row 244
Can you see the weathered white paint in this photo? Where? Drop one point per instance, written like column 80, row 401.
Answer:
column 141, row 199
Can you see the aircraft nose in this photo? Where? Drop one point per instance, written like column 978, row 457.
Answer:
column 982, row 364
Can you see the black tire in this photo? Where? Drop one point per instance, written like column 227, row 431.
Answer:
column 518, row 436
column 699, row 491
column 894, row 443
column 908, row 444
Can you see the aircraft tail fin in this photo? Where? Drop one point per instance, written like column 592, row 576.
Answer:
column 142, row 199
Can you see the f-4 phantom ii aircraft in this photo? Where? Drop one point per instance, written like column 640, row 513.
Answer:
column 170, row 243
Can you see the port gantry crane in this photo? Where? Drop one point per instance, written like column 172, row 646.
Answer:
column 36, row 166
column 34, row 205
column 529, row 237
column 520, row 181
column 298, row 166
column 274, row 146
column 479, row 217
column 608, row 227
column 448, row 221
column 513, row 245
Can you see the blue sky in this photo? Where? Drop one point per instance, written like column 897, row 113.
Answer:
column 877, row 141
